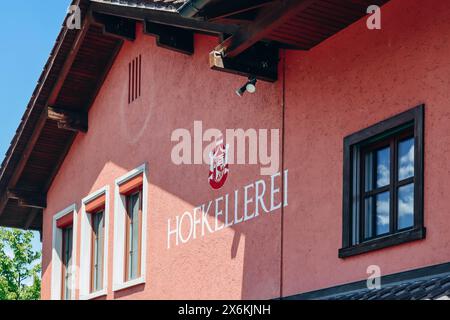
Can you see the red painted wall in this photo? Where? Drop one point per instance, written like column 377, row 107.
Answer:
column 240, row 262
column 351, row 81
column 354, row 80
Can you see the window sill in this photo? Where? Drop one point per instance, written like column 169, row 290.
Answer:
column 128, row 284
column 94, row 295
column 384, row 242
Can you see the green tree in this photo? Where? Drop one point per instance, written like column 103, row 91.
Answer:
column 18, row 265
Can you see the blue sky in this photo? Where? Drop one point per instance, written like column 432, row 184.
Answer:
column 28, row 33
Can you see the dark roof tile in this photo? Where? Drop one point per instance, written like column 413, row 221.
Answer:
column 164, row 5
column 437, row 287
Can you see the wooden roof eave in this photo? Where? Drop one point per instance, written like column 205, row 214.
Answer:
column 30, row 201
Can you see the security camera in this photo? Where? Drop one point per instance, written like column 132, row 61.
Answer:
column 249, row 86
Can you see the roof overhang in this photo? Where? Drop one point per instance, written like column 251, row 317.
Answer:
column 250, row 32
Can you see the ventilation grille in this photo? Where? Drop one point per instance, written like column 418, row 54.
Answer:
column 134, row 79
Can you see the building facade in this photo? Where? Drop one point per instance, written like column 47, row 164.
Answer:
column 344, row 169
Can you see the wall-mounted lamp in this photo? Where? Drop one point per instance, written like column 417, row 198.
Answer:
column 249, row 86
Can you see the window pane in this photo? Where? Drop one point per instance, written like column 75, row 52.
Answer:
column 382, row 213
column 383, row 167
column 382, row 160
column 406, row 206
column 368, row 217
column 135, row 235
column 376, row 215
column 97, row 254
column 368, row 172
column 100, row 239
column 355, row 199
column 94, row 250
column 67, row 239
column 133, row 239
column 406, row 159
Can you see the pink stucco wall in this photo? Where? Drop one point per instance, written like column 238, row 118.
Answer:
column 349, row 82
column 236, row 263
column 354, row 80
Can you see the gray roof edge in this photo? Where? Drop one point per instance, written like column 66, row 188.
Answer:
column 421, row 274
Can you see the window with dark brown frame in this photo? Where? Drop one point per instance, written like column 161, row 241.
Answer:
column 133, row 234
column 383, row 184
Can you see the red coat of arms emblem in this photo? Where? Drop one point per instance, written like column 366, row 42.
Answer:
column 218, row 170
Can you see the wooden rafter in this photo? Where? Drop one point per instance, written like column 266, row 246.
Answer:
column 51, row 100
column 166, row 18
column 231, row 8
column 269, row 18
column 122, row 28
column 31, row 217
column 70, row 120
column 172, row 38
column 26, row 198
column 260, row 61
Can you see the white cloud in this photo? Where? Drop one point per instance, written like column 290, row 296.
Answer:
column 383, row 212
column 407, row 164
column 383, row 175
column 406, row 206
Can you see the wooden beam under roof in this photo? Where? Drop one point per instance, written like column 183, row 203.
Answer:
column 166, row 18
column 51, row 100
column 26, row 198
column 230, row 8
column 122, row 28
column 31, row 217
column 172, row 38
column 68, row 119
column 268, row 19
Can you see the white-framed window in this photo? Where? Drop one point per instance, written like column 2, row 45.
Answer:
column 130, row 225
column 94, row 244
column 64, row 254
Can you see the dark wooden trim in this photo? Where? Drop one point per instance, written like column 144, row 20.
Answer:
column 383, row 242
column 69, row 61
column 347, row 192
column 192, row 7
column 30, row 218
column 27, row 198
column 172, row 38
column 119, row 27
column 361, row 139
column 24, row 158
column 260, row 61
column 230, row 8
column 270, row 18
column 419, row 164
column 72, row 138
column 383, row 126
column 166, row 18
column 40, row 123
column 69, row 119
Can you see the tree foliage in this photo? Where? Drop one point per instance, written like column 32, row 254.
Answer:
column 19, row 266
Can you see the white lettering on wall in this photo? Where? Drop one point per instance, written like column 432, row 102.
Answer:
column 255, row 199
